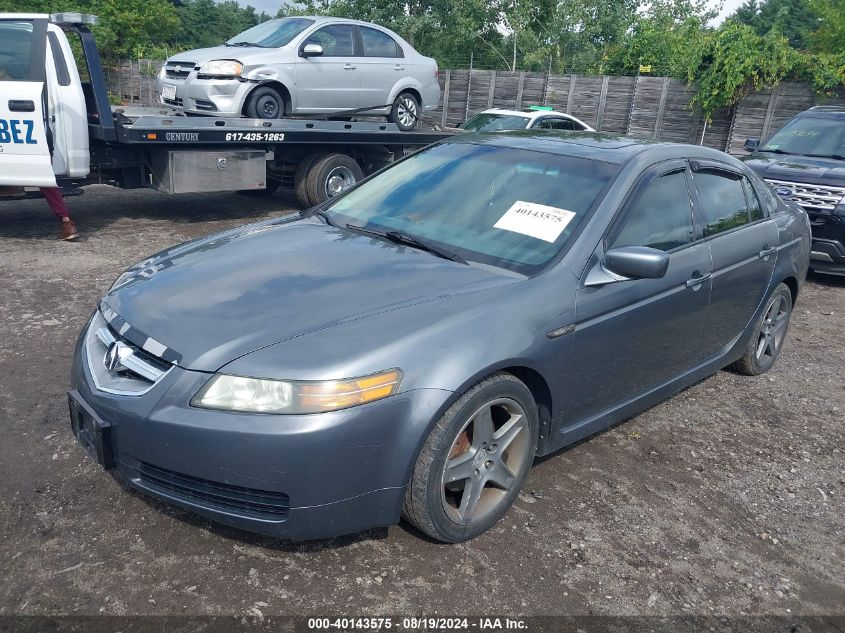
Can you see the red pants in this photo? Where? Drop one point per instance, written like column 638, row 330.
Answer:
column 56, row 200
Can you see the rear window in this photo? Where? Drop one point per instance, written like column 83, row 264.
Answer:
column 15, row 50
column 378, row 44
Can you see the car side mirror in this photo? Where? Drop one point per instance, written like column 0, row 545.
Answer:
column 311, row 50
column 637, row 262
column 751, row 144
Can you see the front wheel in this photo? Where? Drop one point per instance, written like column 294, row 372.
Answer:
column 265, row 103
column 475, row 461
column 767, row 341
column 405, row 112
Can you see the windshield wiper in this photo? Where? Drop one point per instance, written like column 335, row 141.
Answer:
column 776, row 150
column 834, row 156
column 319, row 212
column 252, row 44
column 399, row 237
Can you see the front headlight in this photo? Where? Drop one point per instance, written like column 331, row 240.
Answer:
column 257, row 395
column 222, row 68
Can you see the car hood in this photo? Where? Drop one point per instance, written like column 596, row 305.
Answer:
column 820, row 171
column 246, row 55
column 213, row 300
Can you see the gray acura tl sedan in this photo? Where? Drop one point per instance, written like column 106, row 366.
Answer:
column 408, row 348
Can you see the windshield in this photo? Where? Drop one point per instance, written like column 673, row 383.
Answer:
column 489, row 122
column 510, row 208
column 273, row 33
column 819, row 136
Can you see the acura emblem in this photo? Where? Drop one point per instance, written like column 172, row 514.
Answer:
column 115, row 355
column 783, row 192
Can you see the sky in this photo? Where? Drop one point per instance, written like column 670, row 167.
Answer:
column 271, row 6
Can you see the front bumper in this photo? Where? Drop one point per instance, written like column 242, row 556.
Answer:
column 295, row 477
column 827, row 254
column 217, row 97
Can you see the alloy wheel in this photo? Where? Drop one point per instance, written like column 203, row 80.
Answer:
column 773, row 330
column 484, row 461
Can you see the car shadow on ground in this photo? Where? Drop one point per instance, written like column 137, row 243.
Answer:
column 32, row 218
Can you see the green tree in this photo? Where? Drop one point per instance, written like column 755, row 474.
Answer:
column 829, row 35
column 793, row 18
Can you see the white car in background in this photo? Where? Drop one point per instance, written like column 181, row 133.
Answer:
column 304, row 65
column 529, row 119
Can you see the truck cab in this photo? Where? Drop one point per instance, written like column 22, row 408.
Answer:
column 43, row 110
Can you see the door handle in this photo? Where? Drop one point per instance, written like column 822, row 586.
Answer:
column 398, row 67
column 349, row 67
column 21, row 105
column 767, row 251
column 697, row 281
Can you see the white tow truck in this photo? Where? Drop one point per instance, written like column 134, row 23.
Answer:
column 57, row 127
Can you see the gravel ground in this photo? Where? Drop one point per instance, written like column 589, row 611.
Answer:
column 727, row 499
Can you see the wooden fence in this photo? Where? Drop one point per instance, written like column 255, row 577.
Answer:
column 643, row 106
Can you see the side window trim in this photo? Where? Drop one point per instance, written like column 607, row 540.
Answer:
column 645, row 180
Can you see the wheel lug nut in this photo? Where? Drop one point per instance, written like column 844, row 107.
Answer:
column 488, row 464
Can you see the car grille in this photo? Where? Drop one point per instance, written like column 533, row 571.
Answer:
column 174, row 102
column 132, row 372
column 810, row 197
column 178, row 70
column 234, row 499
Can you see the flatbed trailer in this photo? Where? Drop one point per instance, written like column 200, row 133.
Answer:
column 67, row 133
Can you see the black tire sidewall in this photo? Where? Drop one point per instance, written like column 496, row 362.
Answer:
column 394, row 111
column 252, row 103
column 447, row 529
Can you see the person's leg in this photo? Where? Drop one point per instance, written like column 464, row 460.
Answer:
column 54, row 198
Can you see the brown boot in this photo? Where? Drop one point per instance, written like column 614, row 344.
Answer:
column 68, row 230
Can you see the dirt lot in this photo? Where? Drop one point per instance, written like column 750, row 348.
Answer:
column 727, row 499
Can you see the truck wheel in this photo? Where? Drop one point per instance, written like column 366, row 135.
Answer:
column 475, row 461
column 265, row 103
column 405, row 112
column 332, row 175
column 300, row 179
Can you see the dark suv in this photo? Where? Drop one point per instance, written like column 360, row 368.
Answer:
column 805, row 162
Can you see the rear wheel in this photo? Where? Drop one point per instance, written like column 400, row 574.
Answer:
column 767, row 341
column 475, row 461
column 300, row 179
column 330, row 176
column 405, row 112
column 265, row 103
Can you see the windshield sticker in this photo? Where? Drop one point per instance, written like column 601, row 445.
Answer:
column 535, row 220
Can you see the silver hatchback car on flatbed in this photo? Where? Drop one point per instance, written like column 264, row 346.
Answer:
column 300, row 66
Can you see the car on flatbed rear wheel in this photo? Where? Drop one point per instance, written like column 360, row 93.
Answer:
column 408, row 348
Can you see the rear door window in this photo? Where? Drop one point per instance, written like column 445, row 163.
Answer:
column 722, row 201
column 661, row 218
column 378, row 44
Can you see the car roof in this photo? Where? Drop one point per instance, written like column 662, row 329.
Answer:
column 320, row 19
column 829, row 111
column 527, row 113
column 607, row 147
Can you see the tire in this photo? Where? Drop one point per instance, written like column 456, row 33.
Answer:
column 265, row 103
column 767, row 341
column 437, row 503
column 405, row 112
column 330, row 176
column 300, row 179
